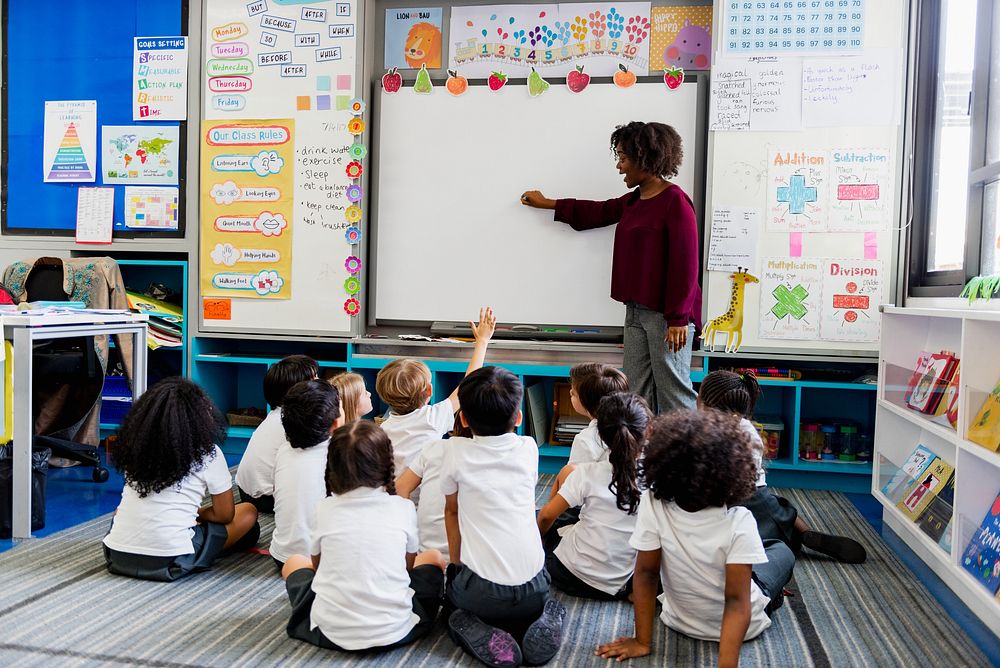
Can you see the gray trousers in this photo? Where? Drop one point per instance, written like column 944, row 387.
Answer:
column 659, row 376
column 775, row 574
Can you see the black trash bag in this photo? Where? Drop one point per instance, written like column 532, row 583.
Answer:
column 39, row 477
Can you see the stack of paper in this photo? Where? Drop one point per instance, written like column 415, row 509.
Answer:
column 165, row 320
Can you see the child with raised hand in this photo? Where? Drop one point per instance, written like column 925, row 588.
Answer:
column 363, row 587
column 589, row 383
column 720, row 582
column 592, row 558
column 405, row 385
column 776, row 517
column 354, row 396
column 498, row 587
column 310, row 413
column 255, row 475
column 166, row 451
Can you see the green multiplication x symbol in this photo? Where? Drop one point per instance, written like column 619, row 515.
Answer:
column 790, row 302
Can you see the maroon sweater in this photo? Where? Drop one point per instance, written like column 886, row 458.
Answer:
column 656, row 258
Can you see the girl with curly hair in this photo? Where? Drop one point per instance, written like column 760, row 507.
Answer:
column 166, row 451
column 655, row 266
column 592, row 558
column 363, row 585
column 720, row 581
column 776, row 517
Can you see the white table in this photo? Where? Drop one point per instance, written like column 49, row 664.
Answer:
column 23, row 329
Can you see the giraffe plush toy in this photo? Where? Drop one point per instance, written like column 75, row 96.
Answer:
column 731, row 322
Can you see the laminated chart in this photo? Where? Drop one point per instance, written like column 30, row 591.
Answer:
column 69, row 150
column 797, row 191
column 247, row 198
column 555, row 39
column 790, row 300
column 852, row 291
column 793, row 26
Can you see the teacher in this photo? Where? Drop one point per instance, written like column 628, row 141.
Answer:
column 655, row 264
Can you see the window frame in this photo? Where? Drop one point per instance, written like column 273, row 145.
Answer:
column 927, row 61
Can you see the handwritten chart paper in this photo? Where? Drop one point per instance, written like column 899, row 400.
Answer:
column 734, row 239
column 852, row 291
column 757, row 94
column 69, row 146
column 94, row 215
column 850, row 92
column 151, row 208
column 790, row 298
column 793, row 26
column 159, row 79
column 860, row 183
column 797, row 190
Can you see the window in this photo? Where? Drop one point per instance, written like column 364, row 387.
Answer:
column 956, row 143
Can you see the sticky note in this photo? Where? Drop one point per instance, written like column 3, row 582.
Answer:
column 343, row 82
column 217, row 309
column 795, row 244
column 871, row 245
column 322, row 103
column 303, row 103
column 343, row 102
column 323, row 82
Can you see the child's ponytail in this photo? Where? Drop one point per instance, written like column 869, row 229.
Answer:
column 730, row 392
column 621, row 422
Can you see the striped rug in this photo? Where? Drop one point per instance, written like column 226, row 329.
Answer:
column 58, row 606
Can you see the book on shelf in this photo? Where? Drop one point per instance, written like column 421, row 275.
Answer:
column 929, row 379
column 165, row 320
column 915, row 464
column 947, row 410
column 985, row 428
column 937, row 515
column 982, row 555
column 918, row 495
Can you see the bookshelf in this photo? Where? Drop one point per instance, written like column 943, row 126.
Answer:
column 972, row 335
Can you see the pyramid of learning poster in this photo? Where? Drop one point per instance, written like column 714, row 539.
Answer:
column 70, row 164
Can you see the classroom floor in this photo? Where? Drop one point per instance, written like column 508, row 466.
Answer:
column 72, row 499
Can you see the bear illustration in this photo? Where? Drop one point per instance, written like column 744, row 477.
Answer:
column 691, row 49
column 423, row 46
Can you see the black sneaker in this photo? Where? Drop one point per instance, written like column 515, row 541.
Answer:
column 841, row 548
column 544, row 636
column 492, row 646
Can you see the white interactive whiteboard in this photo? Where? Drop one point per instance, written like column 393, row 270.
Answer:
column 451, row 233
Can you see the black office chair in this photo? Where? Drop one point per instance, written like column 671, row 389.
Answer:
column 66, row 380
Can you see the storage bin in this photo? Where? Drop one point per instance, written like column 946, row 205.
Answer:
column 771, row 428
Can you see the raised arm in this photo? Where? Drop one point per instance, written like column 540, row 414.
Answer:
column 580, row 214
column 483, row 332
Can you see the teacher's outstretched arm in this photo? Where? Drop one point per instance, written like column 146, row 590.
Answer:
column 580, row 214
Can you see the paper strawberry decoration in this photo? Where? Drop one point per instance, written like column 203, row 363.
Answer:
column 673, row 77
column 497, row 80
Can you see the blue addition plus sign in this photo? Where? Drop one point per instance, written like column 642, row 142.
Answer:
column 796, row 194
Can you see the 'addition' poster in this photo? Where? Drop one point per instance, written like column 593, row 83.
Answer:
column 69, row 146
column 246, row 208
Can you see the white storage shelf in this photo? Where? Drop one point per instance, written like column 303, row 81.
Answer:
column 973, row 336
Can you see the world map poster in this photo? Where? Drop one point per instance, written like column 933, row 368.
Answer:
column 140, row 154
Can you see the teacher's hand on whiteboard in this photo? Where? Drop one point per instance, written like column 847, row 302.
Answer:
column 676, row 338
column 537, row 200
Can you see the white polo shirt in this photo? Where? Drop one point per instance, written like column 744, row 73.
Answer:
column 411, row 432
column 596, row 548
column 430, row 512
column 694, row 550
column 363, row 595
column 162, row 524
column 299, row 485
column 495, row 478
column 758, row 449
column 255, row 476
column 588, row 446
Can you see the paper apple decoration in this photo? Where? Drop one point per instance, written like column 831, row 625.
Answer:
column 392, row 81
column 623, row 78
column 456, row 84
column 577, row 80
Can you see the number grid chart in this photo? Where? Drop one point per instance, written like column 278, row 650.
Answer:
column 793, row 26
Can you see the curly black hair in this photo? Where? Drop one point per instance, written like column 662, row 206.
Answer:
column 360, row 455
column 655, row 148
column 699, row 459
column 622, row 418
column 729, row 391
column 169, row 432
column 308, row 412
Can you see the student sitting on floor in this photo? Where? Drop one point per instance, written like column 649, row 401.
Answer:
column 497, row 583
column 364, row 587
column 592, row 558
column 589, row 383
column 166, row 451
column 720, row 582
column 405, row 385
column 423, row 470
column 776, row 517
column 310, row 413
column 355, row 398
column 255, row 475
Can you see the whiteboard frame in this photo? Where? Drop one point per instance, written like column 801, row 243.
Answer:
column 697, row 79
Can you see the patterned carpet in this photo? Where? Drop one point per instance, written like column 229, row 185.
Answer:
column 58, row 606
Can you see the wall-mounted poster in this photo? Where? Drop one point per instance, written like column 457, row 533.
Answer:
column 413, row 38
column 159, row 81
column 681, row 37
column 69, row 146
column 139, row 154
